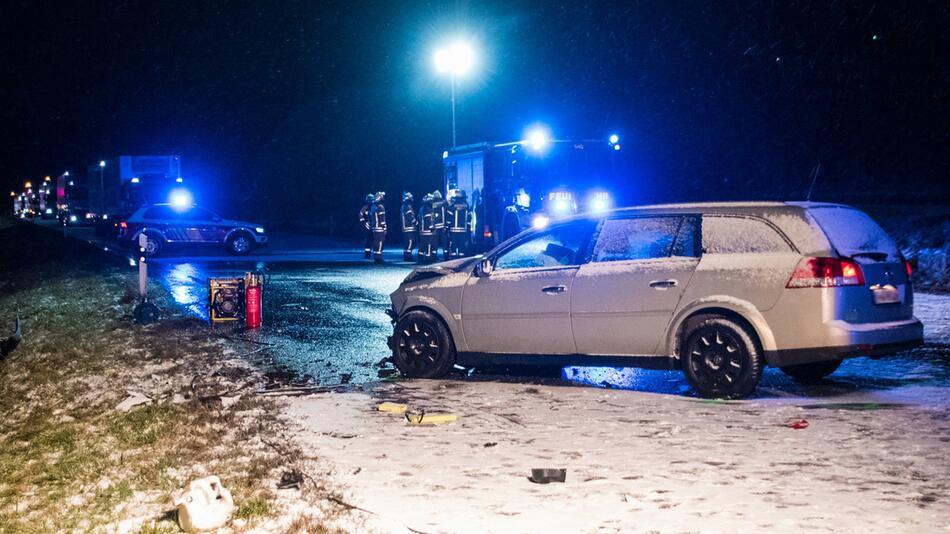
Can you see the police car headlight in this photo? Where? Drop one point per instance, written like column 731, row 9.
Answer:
column 259, row 230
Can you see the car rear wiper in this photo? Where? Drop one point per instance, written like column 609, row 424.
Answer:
column 879, row 256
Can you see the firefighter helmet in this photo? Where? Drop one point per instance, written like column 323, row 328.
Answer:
column 406, row 195
column 437, row 195
column 369, row 197
column 380, row 195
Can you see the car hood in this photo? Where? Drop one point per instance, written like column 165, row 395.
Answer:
column 232, row 222
column 436, row 270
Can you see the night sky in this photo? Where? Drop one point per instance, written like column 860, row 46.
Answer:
column 278, row 107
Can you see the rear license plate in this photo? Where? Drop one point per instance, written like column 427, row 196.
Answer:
column 886, row 294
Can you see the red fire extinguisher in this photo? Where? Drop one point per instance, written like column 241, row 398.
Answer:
column 253, row 299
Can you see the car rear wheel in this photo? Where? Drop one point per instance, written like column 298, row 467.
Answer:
column 810, row 373
column 720, row 358
column 153, row 245
column 423, row 346
column 239, row 243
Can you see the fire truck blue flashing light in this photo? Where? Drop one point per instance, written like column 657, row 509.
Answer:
column 540, row 221
column 179, row 179
column 561, row 206
column 135, row 179
column 617, row 146
column 445, row 154
column 102, row 163
column 614, row 139
column 181, row 199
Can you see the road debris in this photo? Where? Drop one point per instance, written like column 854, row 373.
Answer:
column 292, row 479
column 547, row 475
column 392, row 407
column 430, row 418
column 134, row 399
column 205, row 505
column 799, row 424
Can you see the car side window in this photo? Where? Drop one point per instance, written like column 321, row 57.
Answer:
column 159, row 212
column 197, row 214
column 561, row 245
column 640, row 238
column 740, row 235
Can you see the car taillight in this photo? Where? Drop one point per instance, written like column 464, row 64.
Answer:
column 826, row 272
column 123, row 224
column 909, row 268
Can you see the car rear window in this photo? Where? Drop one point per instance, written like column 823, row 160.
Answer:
column 740, row 235
column 853, row 233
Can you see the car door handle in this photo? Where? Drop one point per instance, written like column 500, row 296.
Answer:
column 553, row 290
column 663, row 284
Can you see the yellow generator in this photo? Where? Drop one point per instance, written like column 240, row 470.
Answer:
column 225, row 299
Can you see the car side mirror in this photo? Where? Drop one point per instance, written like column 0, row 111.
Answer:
column 484, row 268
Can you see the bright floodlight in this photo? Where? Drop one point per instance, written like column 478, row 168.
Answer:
column 457, row 58
column 614, row 139
column 181, row 199
column 102, row 163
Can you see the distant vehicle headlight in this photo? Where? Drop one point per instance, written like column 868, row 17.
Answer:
column 73, row 218
column 90, row 215
column 105, row 217
column 259, row 230
column 49, row 211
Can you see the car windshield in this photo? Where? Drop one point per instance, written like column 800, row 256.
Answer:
column 854, row 234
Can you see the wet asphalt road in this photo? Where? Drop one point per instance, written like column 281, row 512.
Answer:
column 327, row 323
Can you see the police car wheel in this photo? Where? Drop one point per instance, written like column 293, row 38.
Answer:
column 153, row 246
column 239, row 244
column 423, row 346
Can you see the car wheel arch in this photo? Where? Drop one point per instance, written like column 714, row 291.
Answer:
column 454, row 333
column 239, row 230
column 149, row 231
column 743, row 313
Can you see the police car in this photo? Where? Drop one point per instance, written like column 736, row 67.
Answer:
column 167, row 224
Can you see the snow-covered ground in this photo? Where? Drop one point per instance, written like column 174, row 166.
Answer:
column 873, row 457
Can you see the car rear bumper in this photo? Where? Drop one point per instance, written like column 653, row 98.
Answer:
column 852, row 340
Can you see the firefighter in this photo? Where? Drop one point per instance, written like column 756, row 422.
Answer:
column 459, row 222
column 426, row 232
column 367, row 230
column 410, row 226
column 438, row 226
column 377, row 215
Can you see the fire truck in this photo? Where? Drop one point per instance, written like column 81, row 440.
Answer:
column 528, row 183
column 117, row 187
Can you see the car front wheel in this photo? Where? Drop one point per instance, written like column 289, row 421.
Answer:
column 423, row 346
column 240, row 244
column 720, row 358
column 810, row 373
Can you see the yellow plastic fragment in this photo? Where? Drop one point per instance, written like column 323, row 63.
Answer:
column 430, row 418
column 392, row 407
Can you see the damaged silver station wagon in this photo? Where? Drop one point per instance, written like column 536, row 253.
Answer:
column 717, row 290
